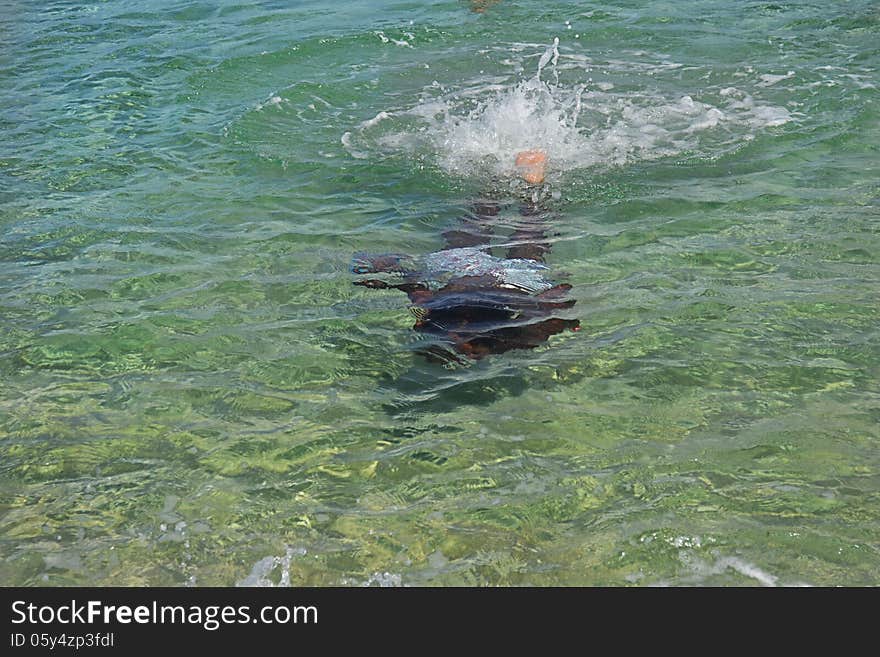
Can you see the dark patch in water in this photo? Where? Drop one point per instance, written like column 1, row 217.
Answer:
column 477, row 305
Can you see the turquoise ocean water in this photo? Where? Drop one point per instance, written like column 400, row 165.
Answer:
column 193, row 392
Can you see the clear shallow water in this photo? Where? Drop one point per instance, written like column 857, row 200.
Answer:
column 193, row 391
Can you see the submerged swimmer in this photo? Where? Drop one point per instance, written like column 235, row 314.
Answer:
column 471, row 301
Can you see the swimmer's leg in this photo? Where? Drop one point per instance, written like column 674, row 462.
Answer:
column 476, row 227
column 530, row 235
column 529, row 238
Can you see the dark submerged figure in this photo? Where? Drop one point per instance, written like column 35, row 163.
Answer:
column 476, row 303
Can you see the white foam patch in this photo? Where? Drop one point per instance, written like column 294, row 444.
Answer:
column 702, row 570
column 746, row 569
column 273, row 101
column 265, row 567
column 403, row 43
column 381, row 116
column 768, row 80
column 752, row 113
column 380, row 580
column 479, row 125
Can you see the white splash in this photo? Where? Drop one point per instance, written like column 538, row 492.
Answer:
column 550, row 55
column 397, row 42
column 477, row 126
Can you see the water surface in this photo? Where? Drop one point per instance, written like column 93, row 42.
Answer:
column 193, row 392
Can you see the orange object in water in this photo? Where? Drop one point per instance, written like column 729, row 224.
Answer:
column 532, row 166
